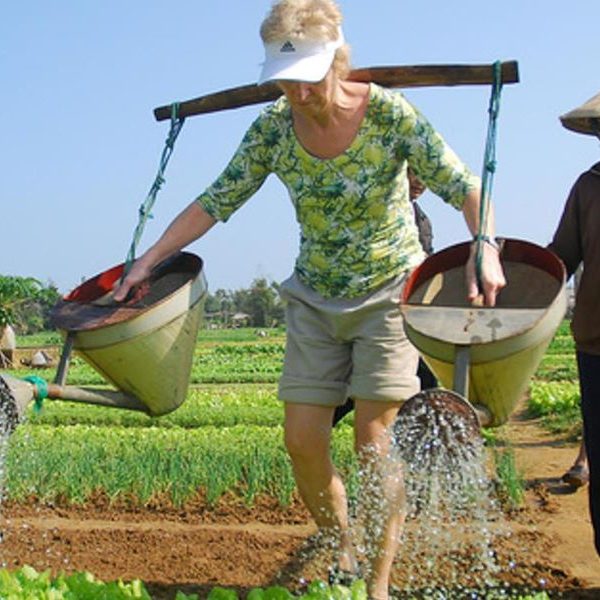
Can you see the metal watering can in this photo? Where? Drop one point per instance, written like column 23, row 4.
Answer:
column 483, row 357
column 143, row 346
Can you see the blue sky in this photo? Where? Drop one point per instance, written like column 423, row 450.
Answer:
column 81, row 146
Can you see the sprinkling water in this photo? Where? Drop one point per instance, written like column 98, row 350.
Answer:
column 453, row 517
column 450, row 524
column 9, row 419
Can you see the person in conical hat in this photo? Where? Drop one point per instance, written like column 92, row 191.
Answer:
column 577, row 242
column 585, row 118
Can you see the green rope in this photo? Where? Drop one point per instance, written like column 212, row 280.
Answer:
column 489, row 168
column 42, row 390
column 146, row 207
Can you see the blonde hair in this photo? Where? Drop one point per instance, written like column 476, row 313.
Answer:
column 307, row 20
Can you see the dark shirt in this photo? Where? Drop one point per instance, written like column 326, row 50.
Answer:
column 576, row 241
column 425, row 228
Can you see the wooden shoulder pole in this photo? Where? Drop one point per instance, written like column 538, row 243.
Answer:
column 392, row 76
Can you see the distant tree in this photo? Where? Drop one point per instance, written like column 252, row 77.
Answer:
column 261, row 303
column 33, row 315
column 220, row 306
column 25, row 303
column 240, row 300
column 212, row 304
column 13, row 292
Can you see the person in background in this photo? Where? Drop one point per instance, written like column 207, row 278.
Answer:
column 578, row 473
column 415, row 191
column 576, row 242
column 426, row 377
column 341, row 148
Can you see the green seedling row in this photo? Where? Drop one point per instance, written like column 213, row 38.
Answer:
column 238, row 363
column 258, row 362
column 261, row 360
column 208, row 405
column 77, row 461
column 28, row 584
column 551, row 397
column 557, row 367
column 226, row 437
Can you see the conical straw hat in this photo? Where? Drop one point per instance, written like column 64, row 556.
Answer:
column 585, row 119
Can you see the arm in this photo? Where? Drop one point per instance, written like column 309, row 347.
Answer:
column 436, row 164
column 492, row 275
column 221, row 199
column 192, row 223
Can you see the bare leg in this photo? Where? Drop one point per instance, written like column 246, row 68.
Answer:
column 373, row 422
column 307, row 439
column 578, row 473
column 582, row 455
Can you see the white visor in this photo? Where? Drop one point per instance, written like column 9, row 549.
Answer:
column 299, row 60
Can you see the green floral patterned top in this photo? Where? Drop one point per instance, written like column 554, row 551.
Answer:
column 357, row 227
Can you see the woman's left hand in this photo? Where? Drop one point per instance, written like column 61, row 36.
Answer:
column 492, row 275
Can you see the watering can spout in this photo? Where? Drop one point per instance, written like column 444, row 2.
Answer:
column 484, row 415
column 15, row 397
column 17, row 394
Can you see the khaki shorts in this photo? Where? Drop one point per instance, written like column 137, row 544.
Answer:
column 340, row 348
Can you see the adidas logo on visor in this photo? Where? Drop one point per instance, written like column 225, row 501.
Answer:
column 287, row 47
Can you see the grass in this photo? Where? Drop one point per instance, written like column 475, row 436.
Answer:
column 207, row 405
column 227, row 435
column 242, row 334
column 45, row 338
column 260, row 361
column 510, row 484
column 77, row 461
column 138, row 464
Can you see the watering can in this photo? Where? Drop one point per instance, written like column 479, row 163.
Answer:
column 483, row 357
column 143, row 346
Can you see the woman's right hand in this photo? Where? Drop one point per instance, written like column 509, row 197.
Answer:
column 192, row 223
column 138, row 273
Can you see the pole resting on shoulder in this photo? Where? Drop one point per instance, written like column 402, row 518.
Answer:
column 394, row 76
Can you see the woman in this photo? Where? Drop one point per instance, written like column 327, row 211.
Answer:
column 342, row 149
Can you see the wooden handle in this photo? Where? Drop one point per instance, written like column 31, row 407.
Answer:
column 392, row 76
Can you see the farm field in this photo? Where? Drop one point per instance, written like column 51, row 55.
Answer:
column 205, row 497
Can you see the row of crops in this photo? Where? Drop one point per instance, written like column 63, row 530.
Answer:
column 28, row 584
column 227, row 436
column 554, row 390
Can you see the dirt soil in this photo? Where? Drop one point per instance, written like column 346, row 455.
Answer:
column 196, row 548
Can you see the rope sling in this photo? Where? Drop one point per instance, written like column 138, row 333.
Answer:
column 145, row 210
column 489, row 168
